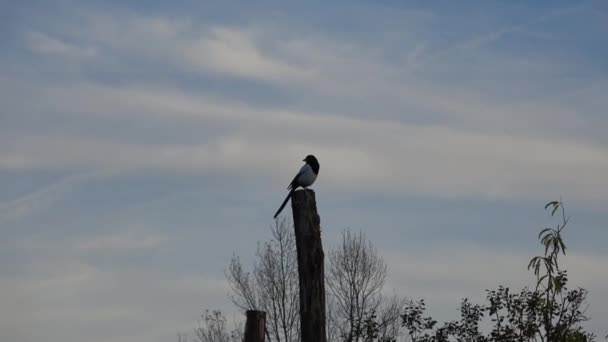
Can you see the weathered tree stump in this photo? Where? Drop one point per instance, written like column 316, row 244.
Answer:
column 310, row 266
column 255, row 327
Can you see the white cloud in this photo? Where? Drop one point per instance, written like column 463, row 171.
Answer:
column 433, row 160
column 476, row 146
column 227, row 50
column 317, row 69
column 235, row 52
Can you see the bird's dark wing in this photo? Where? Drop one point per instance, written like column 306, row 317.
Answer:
column 294, row 183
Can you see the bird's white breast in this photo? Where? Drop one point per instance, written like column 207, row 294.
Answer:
column 306, row 176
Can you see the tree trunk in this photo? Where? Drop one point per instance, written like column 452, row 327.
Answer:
column 310, row 266
column 255, row 326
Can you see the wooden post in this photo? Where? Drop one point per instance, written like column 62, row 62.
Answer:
column 310, row 266
column 255, row 327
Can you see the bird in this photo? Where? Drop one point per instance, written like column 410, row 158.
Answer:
column 304, row 178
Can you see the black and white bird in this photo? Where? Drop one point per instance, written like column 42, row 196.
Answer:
column 306, row 176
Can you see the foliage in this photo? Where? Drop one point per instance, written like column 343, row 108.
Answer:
column 548, row 313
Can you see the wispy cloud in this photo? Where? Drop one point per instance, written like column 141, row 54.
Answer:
column 438, row 160
column 194, row 48
column 235, row 52
column 40, row 42
column 42, row 198
column 317, row 69
column 126, row 240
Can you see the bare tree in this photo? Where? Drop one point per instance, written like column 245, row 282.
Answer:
column 333, row 333
column 389, row 318
column 355, row 279
column 214, row 328
column 273, row 284
column 244, row 290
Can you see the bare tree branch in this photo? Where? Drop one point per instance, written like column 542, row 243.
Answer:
column 213, row 328
column 355, row 279
column 273, row 284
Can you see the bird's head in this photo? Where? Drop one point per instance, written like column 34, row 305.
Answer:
column 310, row 159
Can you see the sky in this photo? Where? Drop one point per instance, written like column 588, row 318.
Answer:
column 142, row 145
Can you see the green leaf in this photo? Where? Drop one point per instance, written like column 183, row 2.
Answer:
column 543, row 231
column 552, row 203
column 532, row 262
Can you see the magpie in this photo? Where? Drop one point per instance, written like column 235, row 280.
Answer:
column 305, row 177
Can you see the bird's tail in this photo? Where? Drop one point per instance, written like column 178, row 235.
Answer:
column 284, row 203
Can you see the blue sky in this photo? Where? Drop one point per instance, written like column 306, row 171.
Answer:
column 141, row 146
